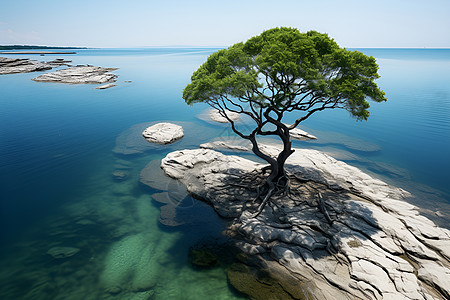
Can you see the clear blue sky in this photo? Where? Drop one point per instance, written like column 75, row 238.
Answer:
column 139, row 23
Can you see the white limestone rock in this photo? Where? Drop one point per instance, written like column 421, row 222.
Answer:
column 203, row 172
column 298, row 134
column 361, row 253
column 79, row 75
column 21, row 65
column 106, row 86
column 370, row 273
column 436, row 274
column 226, row 145
column 163, row 133
column 216, row 116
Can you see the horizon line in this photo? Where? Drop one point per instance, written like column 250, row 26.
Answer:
column 210, row 47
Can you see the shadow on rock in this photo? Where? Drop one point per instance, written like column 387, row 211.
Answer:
column 340, row 233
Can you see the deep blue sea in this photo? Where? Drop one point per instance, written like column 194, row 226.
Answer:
column 56, row 165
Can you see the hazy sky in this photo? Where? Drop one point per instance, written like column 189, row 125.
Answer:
column 138, row 23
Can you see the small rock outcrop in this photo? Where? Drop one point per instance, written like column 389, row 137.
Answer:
column 132, row 142
column 301, row 135
column 163, row 133
column 79, row 75
column 21, row 65
column 227, row 145
column 60, row 62
column 216, row 116
column 62, row 252
column 106, row 86
column 372, row 245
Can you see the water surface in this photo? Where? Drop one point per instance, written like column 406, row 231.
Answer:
column 56, row 165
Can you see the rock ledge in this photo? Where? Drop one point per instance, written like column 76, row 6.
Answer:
column 79, row 75
column 163, row 133
column 376, row 246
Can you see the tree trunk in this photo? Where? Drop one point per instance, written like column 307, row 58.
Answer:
column 277, row 181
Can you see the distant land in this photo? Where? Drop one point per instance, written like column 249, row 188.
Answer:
column 27, row 47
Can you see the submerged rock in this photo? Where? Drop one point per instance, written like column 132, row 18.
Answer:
column 217, row 116
column 60, row 62
column 298, row 134
column 113, row 290
column 79, row 75
column 21, row 65
column 203, row 258
column 227, row 145
column 106, row 86
column 376, row 245
column 130, row 265
column 131, row 141
column 163, row 133
column 259, row 284
column 62, row 252
column 120, row 175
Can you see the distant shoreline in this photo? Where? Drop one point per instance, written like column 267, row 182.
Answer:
column 35, row 47
column 37, row 52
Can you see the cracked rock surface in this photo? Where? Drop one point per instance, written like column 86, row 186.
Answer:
column 21, row 65
column 79, row 75
column 163, row 133
column 215, row 115
column 376, row 246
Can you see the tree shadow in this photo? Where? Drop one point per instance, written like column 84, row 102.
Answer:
column 323, row 224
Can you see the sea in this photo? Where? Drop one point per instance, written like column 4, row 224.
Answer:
column 76, row 222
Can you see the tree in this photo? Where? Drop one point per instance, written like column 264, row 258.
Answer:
column 284, row 72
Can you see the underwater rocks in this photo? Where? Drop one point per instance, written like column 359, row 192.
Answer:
column 79, row 75
column 216, row 116
column 21, row 65
column 106, row 86
column 163, row 133
column 374, row 245
column 71, row 75
column 263, row 283
column 59, row 62
column 298, row 134
column 62, row 252
column 203, row 258
column 120, row 175
column 227, row 145
column 131, row 257
column 132, row 142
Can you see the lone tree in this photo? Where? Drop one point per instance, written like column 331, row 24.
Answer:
column 284, row 72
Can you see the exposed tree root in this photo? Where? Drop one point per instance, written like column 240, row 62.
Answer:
column 263, row 203
column 281, row 186
column 323, row 209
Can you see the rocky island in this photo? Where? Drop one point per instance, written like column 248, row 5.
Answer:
column 163, row 133
column 38, row 52
column 79, row 75
column 72, row 74
column 340, row 234
column 21, row 65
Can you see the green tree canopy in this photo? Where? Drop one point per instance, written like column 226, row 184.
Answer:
column 284, row 71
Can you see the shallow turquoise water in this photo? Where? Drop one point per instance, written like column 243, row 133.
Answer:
column 56, row 165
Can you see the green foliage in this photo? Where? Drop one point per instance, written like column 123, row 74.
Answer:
column 284, row 70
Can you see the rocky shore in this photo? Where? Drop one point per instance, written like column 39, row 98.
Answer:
column 38, row 52
column 163, row 133
column 79, row 75
column 71, row 75
column 21, row 65
column 341, row 234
